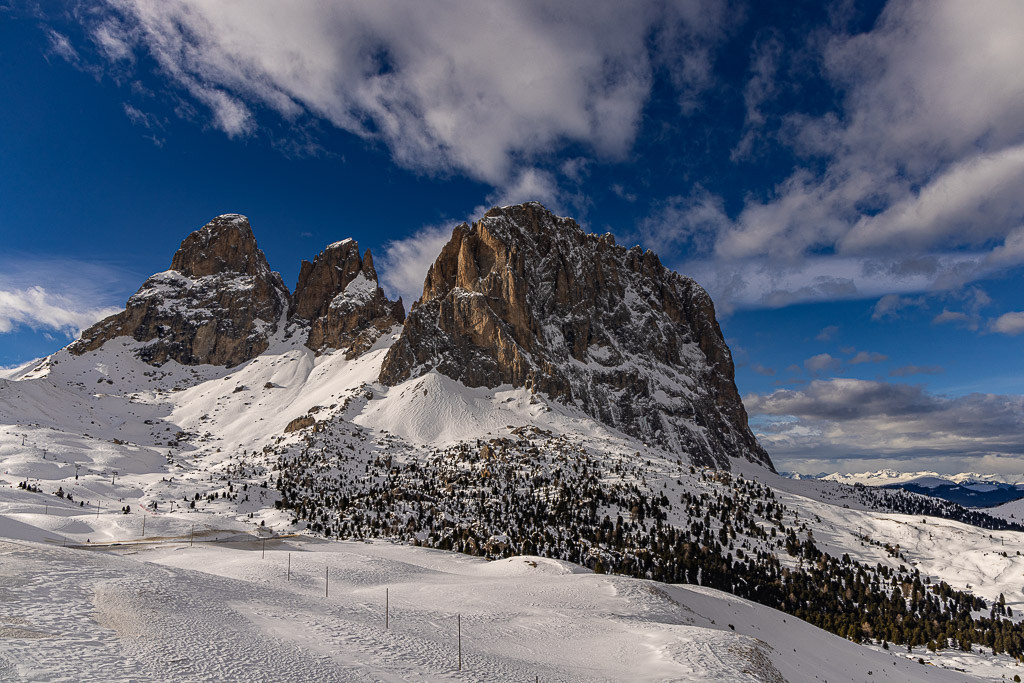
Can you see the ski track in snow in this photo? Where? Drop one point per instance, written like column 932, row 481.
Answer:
column 218, row 613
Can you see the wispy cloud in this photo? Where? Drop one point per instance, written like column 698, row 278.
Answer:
column 61, row 46
column 41, row 310
column 481, row 90
column 61, row 296
column 827, row 333
column 823, row 362
column 891, row 306
column 908, row 370
column 868, row 357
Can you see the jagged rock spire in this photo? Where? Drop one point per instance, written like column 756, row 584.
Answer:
column 338, row 295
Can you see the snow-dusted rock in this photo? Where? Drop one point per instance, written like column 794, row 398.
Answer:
column 527, row 298
column 219, row 303
column 338, row 295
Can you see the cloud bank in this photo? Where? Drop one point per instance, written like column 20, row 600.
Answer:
column 856, row 423
column 478, row 89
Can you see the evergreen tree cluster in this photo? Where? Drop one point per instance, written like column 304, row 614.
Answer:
column 535, row 493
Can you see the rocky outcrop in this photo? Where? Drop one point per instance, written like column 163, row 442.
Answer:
column 338, row 296
column 219, row 303
column 526, row 298
column 300, row 423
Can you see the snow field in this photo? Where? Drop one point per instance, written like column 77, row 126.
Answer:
column 225, row 612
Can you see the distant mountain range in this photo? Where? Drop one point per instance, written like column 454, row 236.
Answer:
column 970, row 489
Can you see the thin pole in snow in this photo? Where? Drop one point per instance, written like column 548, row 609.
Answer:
column 460, row 642
column 327, row 581
column 97, row 509
column 387, row 608
column 143, row 526
column 192, row 535
column 289, row 566
column 264, row 549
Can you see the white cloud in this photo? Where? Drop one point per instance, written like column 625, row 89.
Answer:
column 404, row 263
column 38, row 309
column 868, row 357
column 1011, row 323
column 687, row 223
column 61, row 46
column 890, row 306
column 481, row 89
column 908, row 370
column 954, row 317
column 760, row 88
column 972, row 202
column 757, row 282
column 827, row 333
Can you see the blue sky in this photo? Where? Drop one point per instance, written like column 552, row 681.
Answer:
column 846, row 179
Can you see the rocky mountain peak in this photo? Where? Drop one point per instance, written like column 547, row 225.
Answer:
column 339, row 296
column 224, row 245
column 219, row 303
column 527, row 298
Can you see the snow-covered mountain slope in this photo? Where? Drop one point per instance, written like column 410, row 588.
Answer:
column 230, row 608
column 210, row 444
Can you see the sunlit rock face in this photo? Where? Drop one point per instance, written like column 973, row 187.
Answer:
column 527, row 298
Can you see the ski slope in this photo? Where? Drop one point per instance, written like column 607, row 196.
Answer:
column 158, row 609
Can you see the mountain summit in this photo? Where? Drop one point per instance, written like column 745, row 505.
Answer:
column 219, row 303
column 527, row 298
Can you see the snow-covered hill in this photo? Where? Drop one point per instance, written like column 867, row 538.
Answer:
column 233, row 608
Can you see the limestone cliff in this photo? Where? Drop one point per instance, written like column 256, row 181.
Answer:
column 526, row 298
column 338, row 296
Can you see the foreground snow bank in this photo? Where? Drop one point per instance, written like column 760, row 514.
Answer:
column 228, row 612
